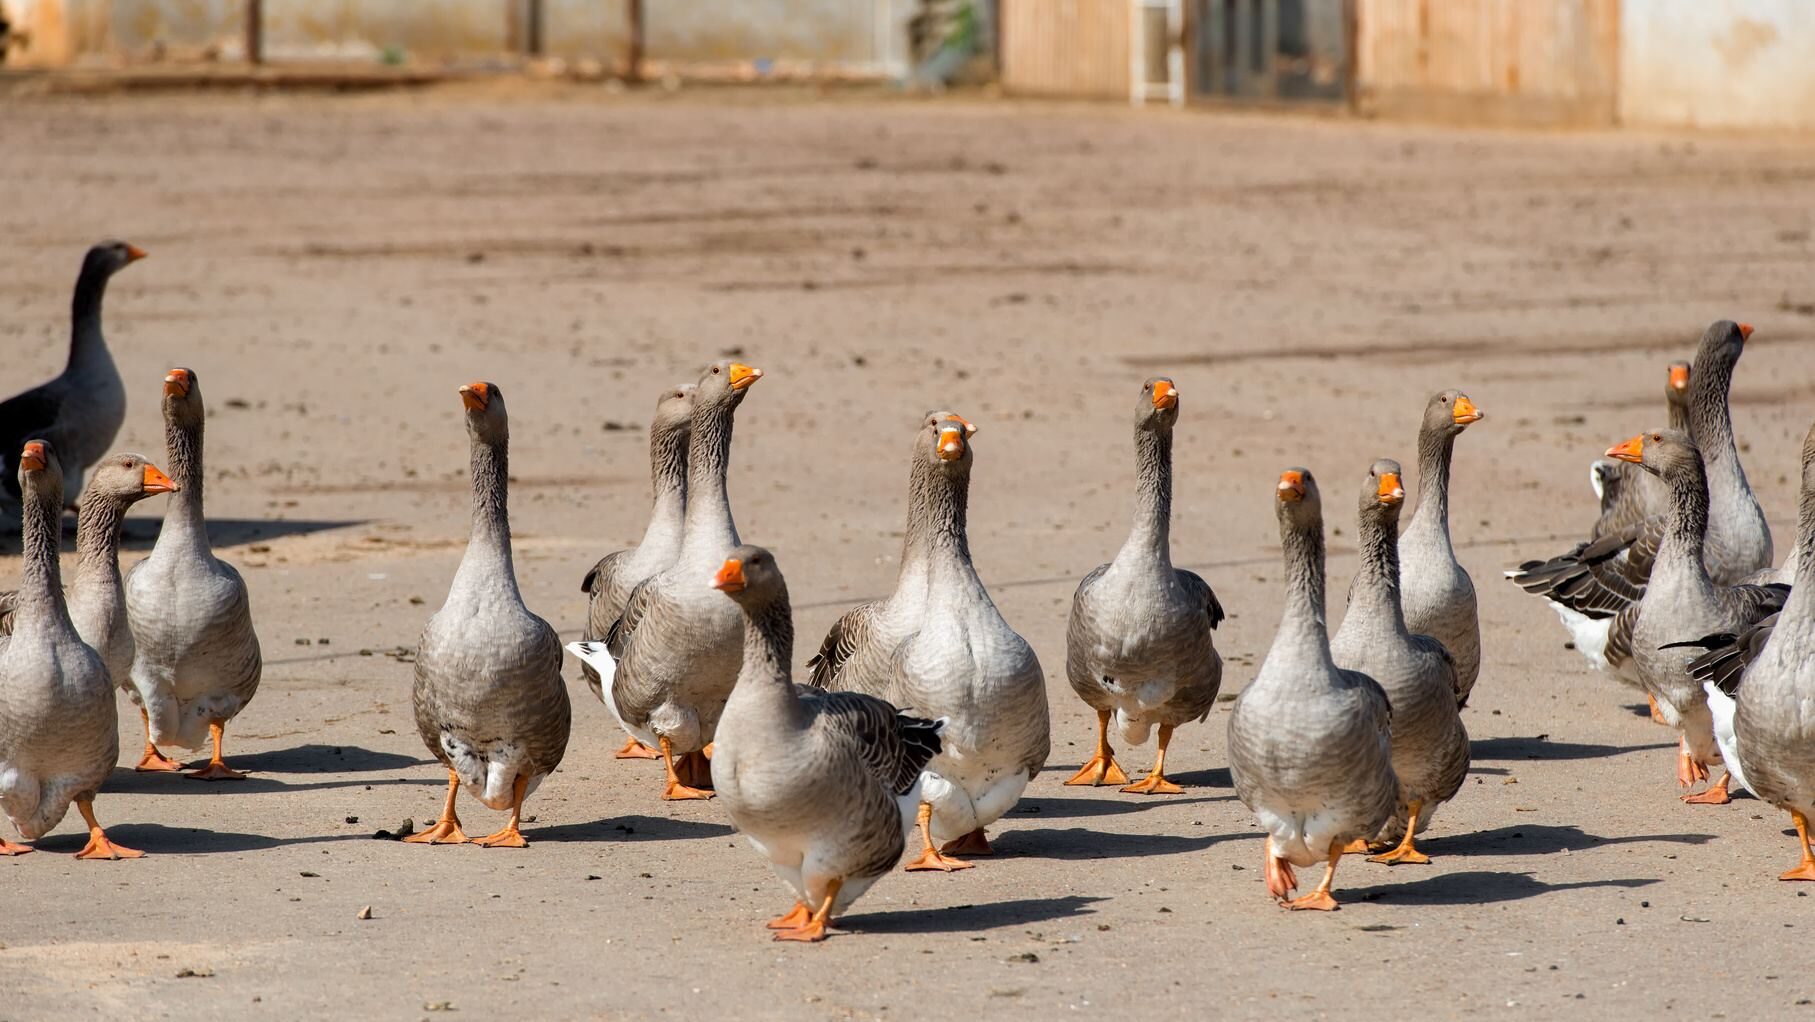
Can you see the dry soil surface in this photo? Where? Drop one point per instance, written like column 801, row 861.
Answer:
column 333, row 267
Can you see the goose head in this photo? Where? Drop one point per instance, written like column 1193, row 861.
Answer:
column 1383, row 492
column 110, row 257
column 945, row 440
column 1297, row 502
column 1157, row 409
column 724, row 383
column 1662, row 452
column 1450, row 412
column 1677, row 391
column 182, row 397
column 126, row 479
column 750, row 577
column 674, row 409
column 1721, row 345
column 486, row 420
column 40, row 474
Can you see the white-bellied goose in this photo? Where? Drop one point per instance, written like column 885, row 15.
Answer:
column 668, row 663
column 81, row 410
column 97, row 597
column 1310, row 744
column 1598, row 579
column 1438, row 595
column 59, row 736
column 490, row 702
column 196, row 659
column 1681, row 603
column 1430, row 745
column 822, row 784
column 610, row 581
column 1628, row 494
column 1138, row 648
column 939, row 648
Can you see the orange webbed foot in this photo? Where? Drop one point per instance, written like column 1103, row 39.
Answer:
column 797, row 917
column 156, row 762
column 444, row 832
column 1804, row 871
column 1153, row 784
column 215, row 771
column 974, row 843
column 931, row 859
column 1716, row 795
column 1316, row 901
column 1098, row 770
column 811, row 932
column 675, row 791
column 509, row 837
column 99, row 847
column 634, row 749
column 8, row 848
column 1281, row 880
column 1401, row 855
column 1689, row 772
column 1359, row 846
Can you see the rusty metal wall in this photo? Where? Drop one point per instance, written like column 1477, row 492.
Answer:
column 1066, row 47
column 1528, row 61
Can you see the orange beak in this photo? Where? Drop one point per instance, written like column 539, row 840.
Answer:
column 1292, row 486
column 157, row 482
column 32, row 458
column 950, row 442
column 134, row 253
column 1679, row 376
column 1632, row 450
column 476, row 396
column 1391, row 492
column 730, row 577
column 1465, row 411
column 742, row 375
column 176, row 383
column 970, row 428
column 1745, row 331
column 1165, row 395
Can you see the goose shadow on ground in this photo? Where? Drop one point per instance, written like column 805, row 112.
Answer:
column 126, row 781
column 1539, row 747
column 1541, row 839
column 971, row 918
column 1075, row 843
column 1474, row 887
column 142, row 533
column 157, row 839
column 1190, row 780
column 1111, row 804
column 631, row 828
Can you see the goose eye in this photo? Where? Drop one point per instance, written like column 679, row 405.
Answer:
column 715, row 370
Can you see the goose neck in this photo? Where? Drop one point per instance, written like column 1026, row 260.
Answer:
column 668, row 473
column 709, row 530
column 937, row 535
column 1687, row 530
column 1376, row 589
column 488, row 551
column 86, row 344
column 98, row 524
column 41, row 584
column 1303, row 621
column 183, row 448
column 768, row 659
column 1435, row 447
column 1150, row 537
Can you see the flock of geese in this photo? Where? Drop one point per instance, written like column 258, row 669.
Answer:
column 925, row 714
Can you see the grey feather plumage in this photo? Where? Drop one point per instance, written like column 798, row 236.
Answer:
column 1437, row 592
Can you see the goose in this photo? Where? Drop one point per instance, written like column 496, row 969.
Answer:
column 1310, row 745
column 1438, row 595
column 81, row 410
column 195, row 662
column 610, row 581
column 825, row 785
column 490, row 702
column 939, row 648
column 1681, row 602
column 97, row 599
column 1430, row 744
column 1138, row 648
column 1629, row 495
column 668, row 663
column 1589, row 586
column 59, row 736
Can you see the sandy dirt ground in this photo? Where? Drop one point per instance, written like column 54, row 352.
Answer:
column 333, row 268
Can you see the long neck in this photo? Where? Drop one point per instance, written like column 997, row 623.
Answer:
column 1711, row 426
column 1376, row 591
column 1434, row 448
column 768, row 660
column 710, row 531
column 1805, row 536
column 668, row 472
column 940, row 525
column 41, row 587
column 1688, row 528
column 488, row 546
column 98, row 541
column 183, row 448
column 1678, row 411
column 85, row 340
column 1150, row 538
column 1303, row 620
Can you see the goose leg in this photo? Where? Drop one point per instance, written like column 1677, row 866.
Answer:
column 674, row 790
column 1281, row 881
column 814, row 929
column 153, row 760
column 1716, row 795
column 446, row 830
column 1155, row 783
column 796, row 918
column 98, row 846
column 1805, row 870
column 510, row 836
column 930, row 857
column 216, row 770
column 1100, row 768
column 1406, row 852
column 1319, row 900
column 634, row 749
column 1688, row 771
column 1657, row 715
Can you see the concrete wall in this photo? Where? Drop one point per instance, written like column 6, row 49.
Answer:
column 1718, row 63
